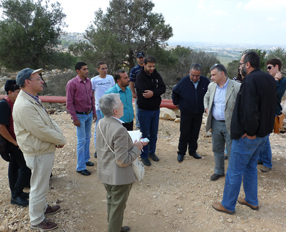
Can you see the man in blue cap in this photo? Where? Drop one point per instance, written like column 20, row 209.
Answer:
column 37, row 136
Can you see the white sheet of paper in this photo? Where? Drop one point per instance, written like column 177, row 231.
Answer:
column 135, row 135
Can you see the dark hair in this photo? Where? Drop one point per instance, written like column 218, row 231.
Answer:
column 117, row 75
column 11, row 85
column 100, row 63
column 149, row 59
column 219, row 68
column 275, row 62
column 253, row 58
column 79, row 65
column 195, row 66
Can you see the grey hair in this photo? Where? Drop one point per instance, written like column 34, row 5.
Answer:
column 195, row 66
column 219, row 68
column 108, row 103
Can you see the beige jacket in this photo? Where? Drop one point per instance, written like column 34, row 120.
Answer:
column 230, row 98
column 36, row 132
column 115, row 169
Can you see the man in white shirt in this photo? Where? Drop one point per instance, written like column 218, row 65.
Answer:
column 100, row 84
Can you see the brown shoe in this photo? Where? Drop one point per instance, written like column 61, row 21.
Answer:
column 243, row 202
column 45, row 225
column 218, row 206
column 52, row 210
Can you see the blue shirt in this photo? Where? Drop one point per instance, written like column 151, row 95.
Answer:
column 196, row 84
column 219, row 102
column 126, row 98
column 134, row 71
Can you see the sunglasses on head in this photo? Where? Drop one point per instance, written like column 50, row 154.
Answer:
column 269, row 67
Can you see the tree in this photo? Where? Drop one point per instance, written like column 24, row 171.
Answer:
column 174, row 64
column 129, row 26
column 29, row 32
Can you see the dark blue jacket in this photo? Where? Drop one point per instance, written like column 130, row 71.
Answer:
column 281, row 87
column 190, row 99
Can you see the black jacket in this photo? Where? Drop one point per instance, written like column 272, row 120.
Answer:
column 254, row 110
column 153, row 82
column 190, row 99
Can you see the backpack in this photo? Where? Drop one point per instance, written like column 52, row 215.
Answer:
column 3, row 146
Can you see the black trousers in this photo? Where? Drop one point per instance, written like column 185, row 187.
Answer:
column 190, row 128
column 18, row 173
column 128, row 126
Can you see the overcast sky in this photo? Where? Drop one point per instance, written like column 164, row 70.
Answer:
column 260, row 22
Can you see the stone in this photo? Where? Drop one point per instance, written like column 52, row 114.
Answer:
column 167, row 114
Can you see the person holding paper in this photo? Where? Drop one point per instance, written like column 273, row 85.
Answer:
column 115, row 154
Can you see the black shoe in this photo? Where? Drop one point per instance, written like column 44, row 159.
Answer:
column 225, row 157
column 146, row 161
column 95, row 155
column 180, row 158
column 84, row 172
column 125, row 229
column 154, row 157
column 215, row 177
column 89, row 164
column 196, row 156
column 25, row 195
column 19, row 201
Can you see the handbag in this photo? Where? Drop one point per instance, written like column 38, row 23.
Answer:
column 4, row 149
column 137, row 165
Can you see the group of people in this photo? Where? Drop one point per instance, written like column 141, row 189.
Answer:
column 240, row 115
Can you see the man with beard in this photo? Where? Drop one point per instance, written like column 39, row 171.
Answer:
column 122, row 82
column 150, row 86
column 252, row 121
column 133, row 73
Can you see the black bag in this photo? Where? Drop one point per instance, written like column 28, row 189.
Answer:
column 4, row 149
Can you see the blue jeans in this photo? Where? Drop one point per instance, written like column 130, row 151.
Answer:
column 83, row 134
column 265, row 156
column 242, row 162
column 98, row 117
column 136, row 111
column 149, row 122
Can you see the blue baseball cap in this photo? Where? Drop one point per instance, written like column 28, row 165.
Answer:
column 140, row 54
column 24, row 74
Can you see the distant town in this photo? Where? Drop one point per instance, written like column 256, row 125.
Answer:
column 225, row 52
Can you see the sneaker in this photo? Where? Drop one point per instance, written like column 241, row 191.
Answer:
column 265, row 169
column 52, row 209
column 146, row 161
column 125, row 229
column 154, row 157
column 19, row 201
column 45, row 225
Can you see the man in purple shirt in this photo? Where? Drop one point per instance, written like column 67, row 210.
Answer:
column 80, row 105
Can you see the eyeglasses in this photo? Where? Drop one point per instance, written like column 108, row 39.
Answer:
column 103, row 69
column 241, row 63
column 37, row 79
column 269, row 67
column 197, row 76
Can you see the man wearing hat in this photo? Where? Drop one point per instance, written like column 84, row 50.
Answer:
column 133, row 73
column 37, row 136
column 18, row 172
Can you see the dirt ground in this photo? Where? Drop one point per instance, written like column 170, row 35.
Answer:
column 173, row 197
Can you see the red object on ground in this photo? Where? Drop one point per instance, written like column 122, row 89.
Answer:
column 59, row 99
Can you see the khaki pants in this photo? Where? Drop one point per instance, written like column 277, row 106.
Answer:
column 41, row 167
column 278, row 124
column 117, row 196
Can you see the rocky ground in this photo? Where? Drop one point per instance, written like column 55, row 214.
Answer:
column 173, row 197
